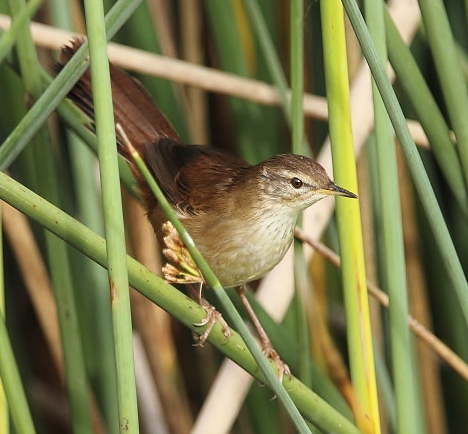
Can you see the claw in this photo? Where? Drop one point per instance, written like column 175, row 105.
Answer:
column 282, row 367
column 212, row 315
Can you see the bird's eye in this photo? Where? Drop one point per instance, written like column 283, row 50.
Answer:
column 296, row 183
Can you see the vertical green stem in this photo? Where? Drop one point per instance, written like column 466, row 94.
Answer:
column 92, row 299
column 409, row 410
column 57, row 252
column 297, row 146
column 297, row 75
column 113, row 219
column 450, row 259
column 348, row 218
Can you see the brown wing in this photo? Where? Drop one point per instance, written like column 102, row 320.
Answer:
column 189, row 175
column 192, row 176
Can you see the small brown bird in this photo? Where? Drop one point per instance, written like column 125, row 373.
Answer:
column 241, row 217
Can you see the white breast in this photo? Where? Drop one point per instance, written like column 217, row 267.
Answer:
column 257, row 249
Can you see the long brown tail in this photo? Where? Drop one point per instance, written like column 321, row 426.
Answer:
column 134, row 109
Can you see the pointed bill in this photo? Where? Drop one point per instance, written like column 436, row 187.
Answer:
column 333, row 189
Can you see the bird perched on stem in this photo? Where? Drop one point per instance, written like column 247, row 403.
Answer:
column 241, row 217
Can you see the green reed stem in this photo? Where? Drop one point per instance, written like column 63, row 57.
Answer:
column 439, row 228
column 113, row 218
column 212, row 280
column 168, row 298
column 409, row 408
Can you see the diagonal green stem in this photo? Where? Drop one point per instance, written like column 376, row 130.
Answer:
column 449, row 71
column 427, row 112
column 169, row 298
column 8, row 39
column 214, row 283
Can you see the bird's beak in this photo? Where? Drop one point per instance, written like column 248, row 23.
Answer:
column 333, row 189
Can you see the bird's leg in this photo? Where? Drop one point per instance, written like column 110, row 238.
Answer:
column 267, row 346
column 212, row 315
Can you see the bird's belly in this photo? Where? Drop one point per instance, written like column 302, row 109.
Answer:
column 247, row 267
column 243, row 256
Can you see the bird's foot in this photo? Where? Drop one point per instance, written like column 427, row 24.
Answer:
column 212, row 315
column 272, row 354
column 180, row 266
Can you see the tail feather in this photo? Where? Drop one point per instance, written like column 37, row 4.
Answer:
column 134, row 109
